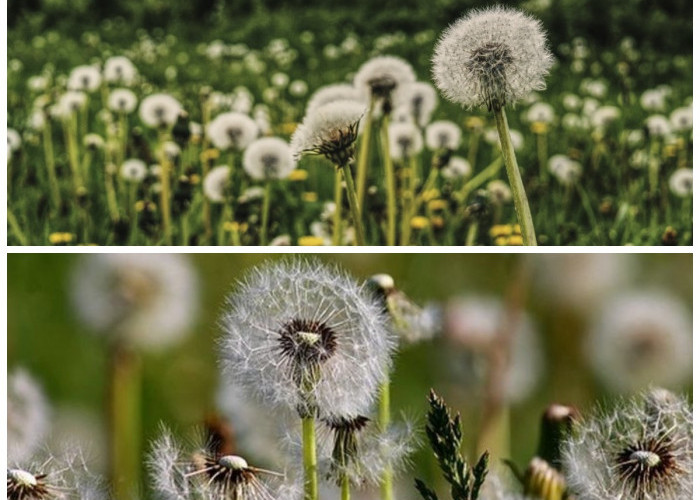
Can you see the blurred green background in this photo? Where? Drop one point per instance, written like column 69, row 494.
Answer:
column 45, row 337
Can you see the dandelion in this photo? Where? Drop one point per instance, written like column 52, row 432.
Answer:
column 27, row 416
column 331, row 130
column 381, row 77
column 540, row 112
column 159, row 110
column 605, row 116
column 564, row 169
column 641, row 449
column 443, row 134
column 499, row 192
column 267, row 159
column 134, row 170
column 653, row 100
column 206, row 472
column 420, row 99
column 93, row 142
column 682, row 119
column 122, row 101
column 70, row 103
column 658, row 126
column 681, row 182
column 216, row 184
column 456, row 168
column 640, row 338
column 232, row 130
column 14, row 141
column 405, row 140
column 495, row 57
column 119, row 69
column 299, row 348
column 84, row 78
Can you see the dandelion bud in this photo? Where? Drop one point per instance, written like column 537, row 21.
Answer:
column 544, row 482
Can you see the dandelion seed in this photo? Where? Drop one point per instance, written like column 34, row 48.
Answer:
column 216, row 183
column 640, row 449
column 641, row 338
column 148, row 301
column 491, row 57
column 681, row 182
column 159, row 110
column 119, row 69
column 122, row 101
column 27, row 416
column 443, row 134
column 232, row 130
column 381, row 77
column 300, row 346
column 84, row 78
column 405, row 140
column 268, row 158
column 133, row 170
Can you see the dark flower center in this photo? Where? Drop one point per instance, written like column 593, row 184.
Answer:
column 646, row 464
column 307, row 343
column 228, row 475
column 22, row 485
column 339, row 147
column 270, row 164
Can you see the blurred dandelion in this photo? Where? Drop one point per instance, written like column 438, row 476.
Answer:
column 28, row 418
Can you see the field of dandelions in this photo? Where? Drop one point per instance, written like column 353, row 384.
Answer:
column 127, row 137
column 250, row 377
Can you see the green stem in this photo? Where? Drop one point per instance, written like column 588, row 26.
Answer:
column 407, row 203
column 310, row 462
column 338, row 200
column 522, row 207
column 354, row 207
column 345, row 487
column 111, row 195
column 16, row 229
column 542, row 155
column 471, row 233
column 363, row 156
column 165, row 192
column 384, row 419
column 390, row 181
column 265, row 214
column 480, row 178
column 125, row 422
column 51, row 165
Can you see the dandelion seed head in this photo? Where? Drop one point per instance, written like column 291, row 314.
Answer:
column 491, row 57
column 120, row 69
column 70, row 103
column 216, row 183
column 159, row 110
column 443, row 134
column 268, row 158
column 640, row 338
column 420, row 100
column 604, row 116
column 640, row 449
column 681, row 182
column 332, row 93
column 295, row 332
column 653, row 100
column 540, row 112
column 94, row 142
column 122, row 101
column 133, row 170
column 381, row 77
column 84, row 78
column 28, row 418
column 145, row 300
column 564, row 169
column 682, row 119
column 405, row 140
column 232, row 130
column 499, row 192
column 456, row 168
column 658, row 126
column 330, row 130
column 14, row 140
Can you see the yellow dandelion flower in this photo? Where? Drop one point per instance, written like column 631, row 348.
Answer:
column 437, row 204
column 210, row 154
column 298, row 174
column 431, row 194
column 310, row 241
column 501, row 241
column 309, row 197
column 419, row 222
column 538, row 128
column 500, row 230
column 474, row 123
column 60, row 238
column 515, row 240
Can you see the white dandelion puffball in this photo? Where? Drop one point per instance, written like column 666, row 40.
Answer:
column 420, row 98
column 159, row 110
column 122, row 101
column 405, row 140
column 305, row 336
column 268, row 158
column 604, row 116
column 332, row 93
column 491, row 57
column 653, row 100
column 133, row 170
column 638, row 449
column 540, row 112
column 70, row 102
column 641, row 338
column 475, row 323
column 381, row 76
column 93, row 141
column 28, row 417
column 148, row 301
column 14, row 140
column 582, row 281
column 681, row 182
column 456, row 168
column 564, row 169
column 682, row 119
column 232, row 130
column 443, row 134
column 120, row 69
column 658, row 126
column 330, row 130
column 216, row 183
column 499, row 192
column 84, row 78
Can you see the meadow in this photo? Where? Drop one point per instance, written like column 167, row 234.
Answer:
column 605, row 151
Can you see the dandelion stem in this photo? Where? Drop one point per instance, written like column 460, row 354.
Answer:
column 51, row 165
column 345, row 487
column 265, row 214
column 338, row 200
column 310, row 464
column 542, row 155
column 384, row 419
column 165, row 192
column 407, row 204
column 480, row 178
column 522, row 208
column 16, row 229
column 472, row 232
column 125, row 418
column 111, row 195
column 363, row 157
column 354, row 207
column 390, row 184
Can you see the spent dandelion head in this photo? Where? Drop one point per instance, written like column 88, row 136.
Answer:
column 133, row 170
column 420, row 98
column 232, row 130
column 122, row 101
column 681, row 182
column 295, row 333
column 268, row 158
column 84, row 78
column 216, row 184
column 491, row 57
column 405, row 140
column 120, row 69
column 28, row 418
column 443, row 135
column 331, row 93
column 381, row 77
column 159, row 110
